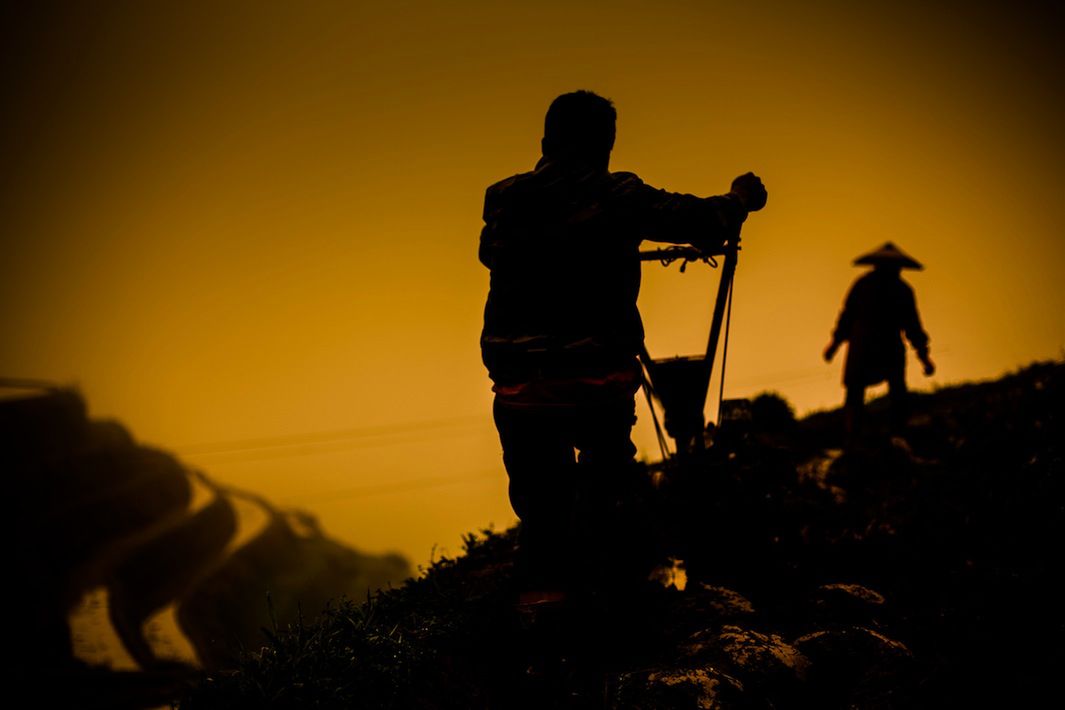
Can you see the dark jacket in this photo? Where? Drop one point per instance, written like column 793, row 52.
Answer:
column 879, row 307
column 562, row 243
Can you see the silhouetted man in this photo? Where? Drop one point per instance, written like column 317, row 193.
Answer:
column 879, row 307
column 561, row 327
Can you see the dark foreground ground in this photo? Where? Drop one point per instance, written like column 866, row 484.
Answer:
column 921, row 572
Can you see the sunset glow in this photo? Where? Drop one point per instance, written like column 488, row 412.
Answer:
column 248, row 230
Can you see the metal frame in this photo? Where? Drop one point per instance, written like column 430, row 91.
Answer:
column 688, row 441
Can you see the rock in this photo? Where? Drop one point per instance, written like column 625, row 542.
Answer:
column 763, row 661
column 858, row 667
column 857, row 644
column 703, row 688
column 720, row 604
column 847, row 604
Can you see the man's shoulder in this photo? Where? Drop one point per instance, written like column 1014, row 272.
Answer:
column 535, row 178
column 867, row 277
column 540, row 185
column 510, row 183
column 873, row 282
column 625, row 177
column 506, row 192
column 625, row 181
column 865, row 286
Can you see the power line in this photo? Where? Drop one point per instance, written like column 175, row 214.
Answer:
column 326, row 447
column 327, row 436
column 398, row 487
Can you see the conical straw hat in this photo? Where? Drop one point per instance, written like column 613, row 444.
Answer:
column 888, row 255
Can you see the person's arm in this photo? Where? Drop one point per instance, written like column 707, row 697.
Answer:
column 842, row 332
column 915, row 333
column 678, row 218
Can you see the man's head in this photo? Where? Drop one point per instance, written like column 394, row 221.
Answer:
column 580, row 126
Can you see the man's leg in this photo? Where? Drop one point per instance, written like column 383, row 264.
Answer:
column 539, row 458
column 603, row 436
column 609, row 535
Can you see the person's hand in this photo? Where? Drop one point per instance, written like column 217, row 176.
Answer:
column 750, row 191
column 929, row 366
column 830, row 351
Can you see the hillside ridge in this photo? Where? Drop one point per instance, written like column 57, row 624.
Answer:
column 918, row 570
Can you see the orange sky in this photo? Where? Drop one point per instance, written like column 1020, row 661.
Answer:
column 259, row 221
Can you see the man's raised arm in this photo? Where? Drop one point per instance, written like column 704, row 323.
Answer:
column 705, row 222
